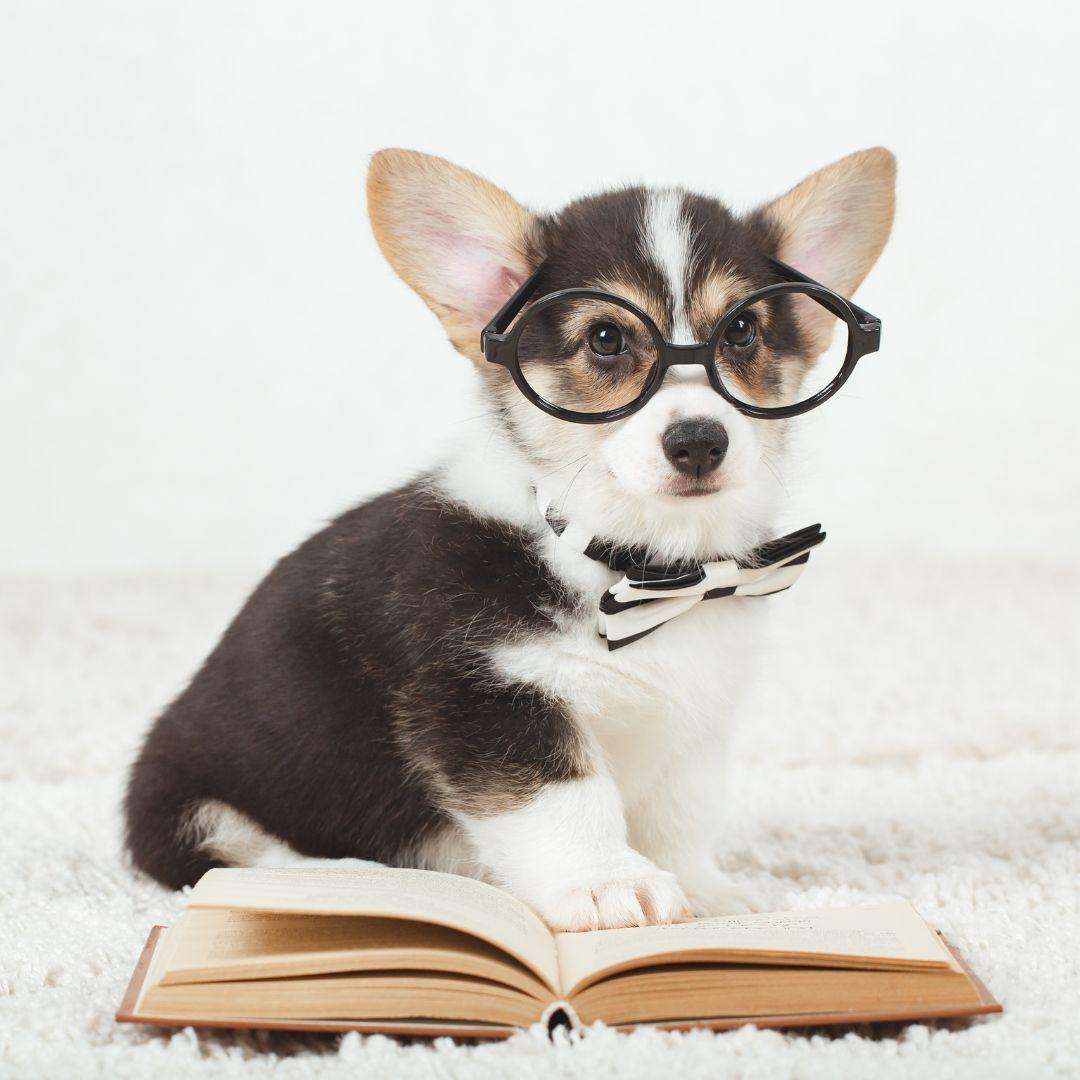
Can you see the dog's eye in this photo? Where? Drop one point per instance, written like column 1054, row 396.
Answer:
column 741, row 331
column 606, row 340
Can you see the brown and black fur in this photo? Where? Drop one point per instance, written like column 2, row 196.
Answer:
column 351, row 688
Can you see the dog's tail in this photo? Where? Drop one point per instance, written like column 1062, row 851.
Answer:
column 161, row 810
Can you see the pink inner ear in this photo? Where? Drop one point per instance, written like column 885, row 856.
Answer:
column 474, row 276
column 814, row 261
column 813, row 250
column 822, row 245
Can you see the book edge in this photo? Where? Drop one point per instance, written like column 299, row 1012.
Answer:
column 985, row 997
column 125, row 1012
column 801, row 1020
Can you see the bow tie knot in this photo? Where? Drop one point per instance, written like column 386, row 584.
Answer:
column 649, row 594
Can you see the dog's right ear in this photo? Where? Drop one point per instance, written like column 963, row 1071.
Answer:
column 461, row 242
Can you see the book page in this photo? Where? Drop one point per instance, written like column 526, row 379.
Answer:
column 882, row 936
column 364, row 996
column 460, row 903
column 217, row 944
column 677, row 992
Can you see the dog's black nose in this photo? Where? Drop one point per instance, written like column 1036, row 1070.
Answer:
column 695, row 447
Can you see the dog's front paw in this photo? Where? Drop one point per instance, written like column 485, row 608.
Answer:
column 713, row 894
column 629, row 891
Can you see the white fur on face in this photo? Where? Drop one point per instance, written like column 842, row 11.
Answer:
column 615, row 481
column 635, row 456
column 667, row 242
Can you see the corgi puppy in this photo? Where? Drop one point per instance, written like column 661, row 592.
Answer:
column 422, row 683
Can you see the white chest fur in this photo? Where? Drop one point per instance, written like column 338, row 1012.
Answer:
column 652, row 701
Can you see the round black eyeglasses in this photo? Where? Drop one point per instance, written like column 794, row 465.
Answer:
column 616, row 358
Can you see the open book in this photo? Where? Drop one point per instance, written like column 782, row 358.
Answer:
column 417, row 952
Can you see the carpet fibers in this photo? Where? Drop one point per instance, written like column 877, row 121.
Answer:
column 919, row 737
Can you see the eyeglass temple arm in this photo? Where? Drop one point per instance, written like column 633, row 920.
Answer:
column 867, row 321
column 508, row 312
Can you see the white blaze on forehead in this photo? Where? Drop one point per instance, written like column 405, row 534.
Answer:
column 667, row 241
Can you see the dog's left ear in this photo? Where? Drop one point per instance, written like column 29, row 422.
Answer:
column 461, row 242
column 834, row 225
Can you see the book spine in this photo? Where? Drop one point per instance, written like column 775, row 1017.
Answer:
column 559, row 1014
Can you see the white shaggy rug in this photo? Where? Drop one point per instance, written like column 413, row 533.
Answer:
column 920, row 738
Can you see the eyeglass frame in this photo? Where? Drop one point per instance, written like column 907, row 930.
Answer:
column 499, row 341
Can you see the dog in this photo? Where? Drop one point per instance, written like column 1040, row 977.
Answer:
column 422, row 683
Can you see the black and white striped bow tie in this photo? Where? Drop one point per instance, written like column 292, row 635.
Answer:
column 651, row 594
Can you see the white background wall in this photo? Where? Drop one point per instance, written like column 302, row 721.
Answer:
column 198, row 338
